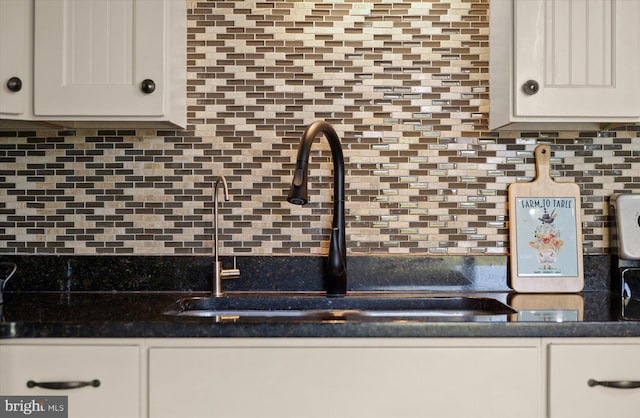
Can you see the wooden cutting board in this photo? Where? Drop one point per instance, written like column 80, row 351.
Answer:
column 547, row 307
column 545, row 232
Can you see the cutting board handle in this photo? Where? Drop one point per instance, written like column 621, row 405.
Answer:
column 543, row 164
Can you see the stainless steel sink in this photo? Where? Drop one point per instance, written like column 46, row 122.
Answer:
column 367, row 308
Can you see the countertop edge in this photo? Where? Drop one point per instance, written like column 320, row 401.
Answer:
column 14, row 330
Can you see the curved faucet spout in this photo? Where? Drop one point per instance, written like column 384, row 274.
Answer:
column 336, row 275
column 217, row 279
column 225, row 189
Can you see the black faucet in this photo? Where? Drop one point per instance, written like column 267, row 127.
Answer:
column 336, row 269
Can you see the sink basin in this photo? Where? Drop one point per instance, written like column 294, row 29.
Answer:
column 432, row 308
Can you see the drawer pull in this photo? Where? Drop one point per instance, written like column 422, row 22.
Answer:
column 616, row 384
column 62, row 385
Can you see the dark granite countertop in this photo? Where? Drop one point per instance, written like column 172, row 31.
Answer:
column 117, row 297
column 140, row 315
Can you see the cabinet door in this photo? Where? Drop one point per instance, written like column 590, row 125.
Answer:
column 91, row 57
column 583, row 54
column 344, row 382
column 572, row 366
column 116, row 367
column 15, row 52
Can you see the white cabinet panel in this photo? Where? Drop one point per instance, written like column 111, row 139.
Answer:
column 352, row 381
column 116, row 367
column 92, row 56
column 84, row 63
column 569, row 48
column 583, row 56
column 15, row 48
column 571, row 366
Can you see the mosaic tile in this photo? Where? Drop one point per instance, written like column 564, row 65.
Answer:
column 405, row 83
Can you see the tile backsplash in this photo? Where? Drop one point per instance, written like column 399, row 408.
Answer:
column 405, row 84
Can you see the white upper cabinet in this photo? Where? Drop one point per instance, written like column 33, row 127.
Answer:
column 102, row 63
column 570, row 61
column 99, row 52
column 15, row 60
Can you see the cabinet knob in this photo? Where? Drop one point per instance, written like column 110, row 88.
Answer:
column 531, row 87
column 14, row 84
column 148, row 86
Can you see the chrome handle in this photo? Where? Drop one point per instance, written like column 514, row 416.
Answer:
column 230, row 273
column 615, row 384
column 62, row 385
column 233, row 273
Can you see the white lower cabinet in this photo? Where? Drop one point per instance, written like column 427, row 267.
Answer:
column 571, row 365
column 115, row 368
column 346, row 378
column 330, row 377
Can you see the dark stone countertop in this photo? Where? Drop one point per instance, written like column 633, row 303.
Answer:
column 117, row 297
column 140, row 315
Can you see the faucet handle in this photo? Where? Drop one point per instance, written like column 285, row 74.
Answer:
column 230, row 273
column 233, row 273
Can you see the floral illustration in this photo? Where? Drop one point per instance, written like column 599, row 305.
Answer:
column 547, row 241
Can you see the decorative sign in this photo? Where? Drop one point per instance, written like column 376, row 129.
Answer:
column 546, row 236
column 545, row 232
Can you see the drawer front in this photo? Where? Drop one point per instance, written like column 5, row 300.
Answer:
column 116, row 368
column 572, row 366
column 345, row 382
